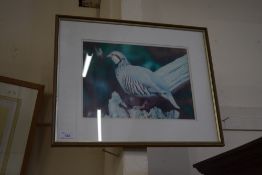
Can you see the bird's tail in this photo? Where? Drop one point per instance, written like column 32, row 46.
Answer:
column 175, row 74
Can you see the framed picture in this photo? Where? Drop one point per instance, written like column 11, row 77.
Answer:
column 126, row 83
column 90, row 3
column 19, row 104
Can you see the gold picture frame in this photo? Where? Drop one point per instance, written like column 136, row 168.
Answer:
column 19, row 106
column 133, row 120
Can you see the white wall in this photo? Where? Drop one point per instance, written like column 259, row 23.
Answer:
column 113, row 163
column 168, row 161
column 27, row 37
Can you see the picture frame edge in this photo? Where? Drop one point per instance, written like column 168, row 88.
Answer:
column 203, row 30
column 37, row 108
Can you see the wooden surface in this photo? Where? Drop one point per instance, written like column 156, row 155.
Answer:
column 244, row 160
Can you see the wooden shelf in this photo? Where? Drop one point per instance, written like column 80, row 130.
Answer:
column 244, row 160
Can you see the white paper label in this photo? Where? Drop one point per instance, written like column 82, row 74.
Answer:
column 65, row 135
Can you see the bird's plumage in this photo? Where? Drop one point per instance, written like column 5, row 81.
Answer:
column 175, row 74
column 142, row 82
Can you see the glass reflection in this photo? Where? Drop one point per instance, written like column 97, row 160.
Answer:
column 86, row 64
column 99, row 127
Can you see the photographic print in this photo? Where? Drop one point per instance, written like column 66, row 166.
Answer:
column 136, row 81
